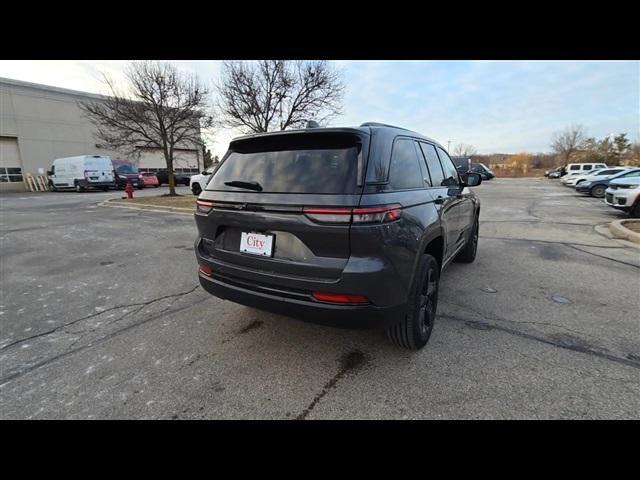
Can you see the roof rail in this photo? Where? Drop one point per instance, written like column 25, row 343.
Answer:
column 376, row 124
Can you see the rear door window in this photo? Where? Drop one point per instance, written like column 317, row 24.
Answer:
column 451, row 178
column 404, row 170
column 433, row 164
column 574, row 167
column 291, row 166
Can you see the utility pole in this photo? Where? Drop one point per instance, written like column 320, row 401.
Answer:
column 449, row 145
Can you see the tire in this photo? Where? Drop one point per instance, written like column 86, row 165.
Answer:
column 140, row 187
column 105, row 189
column 156, row 186
column 414, row 330
column 597, row 191
column 468, row 253
column 79, row 188
column 195, row 189
column 52, row 187
column 635, row 210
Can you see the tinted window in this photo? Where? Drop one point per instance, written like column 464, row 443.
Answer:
column 126, row 168
column 631, row 174
column 314, row 170
column 433, row 164
column 451, row 178
column 587, row 167
column 404, row 171
column 574, row 167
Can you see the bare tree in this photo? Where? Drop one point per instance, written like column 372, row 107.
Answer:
column 464, row 150
column 164, row 109
column 568, row 142
column 278, row 94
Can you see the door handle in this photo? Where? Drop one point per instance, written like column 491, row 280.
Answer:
column 439, row 200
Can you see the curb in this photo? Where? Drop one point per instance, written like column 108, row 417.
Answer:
column 147, row 207
column 618, row 229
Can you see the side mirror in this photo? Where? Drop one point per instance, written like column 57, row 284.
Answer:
column 204, row 172
column 49, row 172
column 473, row 179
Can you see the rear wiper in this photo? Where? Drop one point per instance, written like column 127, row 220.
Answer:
column 248, row 185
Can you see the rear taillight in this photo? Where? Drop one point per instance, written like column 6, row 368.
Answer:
column 381, row 214
column 204, row 206
column 340, row 298
column 329, row 215
column 360, row 215
column 205, row 269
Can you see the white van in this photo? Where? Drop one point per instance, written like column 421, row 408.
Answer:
column 81, row 172
column 573, row 169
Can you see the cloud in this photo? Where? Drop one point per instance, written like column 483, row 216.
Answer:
column 498, row 106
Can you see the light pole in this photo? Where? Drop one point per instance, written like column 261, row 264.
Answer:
column 449, row 145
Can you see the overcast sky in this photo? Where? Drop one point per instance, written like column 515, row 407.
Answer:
column 497, row 106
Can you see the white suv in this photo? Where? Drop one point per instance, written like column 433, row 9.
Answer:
column 598, row 174
column 624, row 194
column 580, row 169
column 199, row 182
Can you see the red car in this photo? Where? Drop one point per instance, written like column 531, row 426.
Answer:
column 150, row 180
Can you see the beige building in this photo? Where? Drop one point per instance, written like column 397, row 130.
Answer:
column 39, row 123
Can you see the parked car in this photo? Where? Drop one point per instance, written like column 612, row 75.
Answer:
column 127, row 172
column 555, row 171
column 81, row 172
column 344, row 226
column 624, row 194
column 180, row 178
column 573, row 169
column 150, row 180
column 599, row 173
column 198, row 182
column 597, row 186
column 463, row 164
column 485, row 172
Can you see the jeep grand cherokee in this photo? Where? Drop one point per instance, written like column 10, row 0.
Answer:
column 349, row 227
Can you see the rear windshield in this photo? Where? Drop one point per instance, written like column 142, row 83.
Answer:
column 126, row 168
column 300, row 165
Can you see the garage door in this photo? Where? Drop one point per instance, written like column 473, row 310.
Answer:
column 10, row 165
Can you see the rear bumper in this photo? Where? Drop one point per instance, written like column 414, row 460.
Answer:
column 340, row 316
column 135, row 182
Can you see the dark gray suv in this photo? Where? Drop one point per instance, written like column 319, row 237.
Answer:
column 348, row 227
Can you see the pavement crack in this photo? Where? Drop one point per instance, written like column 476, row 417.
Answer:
column 96, row 342
column 602, row 256
column 555, row 342
column 532, row 240
column 95, row 314
column 349, row 362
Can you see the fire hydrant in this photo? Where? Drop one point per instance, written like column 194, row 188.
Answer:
column 129, row 190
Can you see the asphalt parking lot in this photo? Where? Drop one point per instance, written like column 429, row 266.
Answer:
column 102, row 317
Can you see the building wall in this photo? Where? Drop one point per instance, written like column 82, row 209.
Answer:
column 47, row 123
